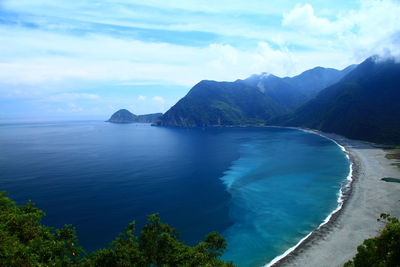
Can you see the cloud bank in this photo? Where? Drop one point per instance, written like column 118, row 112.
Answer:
column 71, row 52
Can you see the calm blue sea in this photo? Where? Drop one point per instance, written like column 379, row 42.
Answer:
column 262, row 188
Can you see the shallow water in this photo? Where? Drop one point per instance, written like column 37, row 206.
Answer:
column 283, row 186
column 262, row 188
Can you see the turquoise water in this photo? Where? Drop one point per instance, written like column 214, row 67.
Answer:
column 263, row 188
column 283, row 186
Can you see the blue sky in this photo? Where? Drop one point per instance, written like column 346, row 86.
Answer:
column 86, row 59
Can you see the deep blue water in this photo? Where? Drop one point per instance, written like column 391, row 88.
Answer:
column 262, row 188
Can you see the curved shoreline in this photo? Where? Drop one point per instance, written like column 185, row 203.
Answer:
column 343, row 196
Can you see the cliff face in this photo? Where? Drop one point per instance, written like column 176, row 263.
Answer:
column 125, row 116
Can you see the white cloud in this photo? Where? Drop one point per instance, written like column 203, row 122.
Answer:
column 372, row 29
column 217, row 17
column 55, row 58
column 378, row 24
column 158, row 99
column 123, row 7
column 74, row 108
column 303, row 17
column 38, row 62
column 103, row 58
column 72, row 96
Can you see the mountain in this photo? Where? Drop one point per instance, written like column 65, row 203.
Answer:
column 312, row 81
column 363, row 105
column 221, row 103
column 125, row 116
column 148, row 118
column 252, row 101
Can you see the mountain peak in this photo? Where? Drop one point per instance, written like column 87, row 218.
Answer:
column 252, row 101
column 122, row 116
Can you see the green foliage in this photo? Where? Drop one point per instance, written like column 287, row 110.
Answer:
column 381, row 251
column 396, row 164
column 25, row 242
column 395, row 155
column 158, row 245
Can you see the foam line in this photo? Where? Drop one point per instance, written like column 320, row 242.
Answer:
column 341, row 199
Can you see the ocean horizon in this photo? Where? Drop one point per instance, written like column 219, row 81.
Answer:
column 263, row 189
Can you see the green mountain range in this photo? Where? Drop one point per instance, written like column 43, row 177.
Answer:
column 253, row 101
column 359, row 102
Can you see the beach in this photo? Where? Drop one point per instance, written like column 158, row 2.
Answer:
column 336, row 242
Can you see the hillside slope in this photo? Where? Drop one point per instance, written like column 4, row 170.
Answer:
column 363, row 105
column 253, row 101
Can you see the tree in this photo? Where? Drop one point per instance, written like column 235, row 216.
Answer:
column 25, row 242
column 381, row 251
column 158, row 245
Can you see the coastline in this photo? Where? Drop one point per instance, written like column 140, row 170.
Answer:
column 343, row 195
column 326, row 245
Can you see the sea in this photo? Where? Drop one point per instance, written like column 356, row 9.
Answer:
column 262, row 189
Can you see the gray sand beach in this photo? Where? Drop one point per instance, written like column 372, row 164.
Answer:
column 336, row 242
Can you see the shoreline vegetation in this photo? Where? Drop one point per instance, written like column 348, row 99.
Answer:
column 394, row 154
column 382, row 250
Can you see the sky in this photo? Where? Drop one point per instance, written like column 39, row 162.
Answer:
column 86, row 59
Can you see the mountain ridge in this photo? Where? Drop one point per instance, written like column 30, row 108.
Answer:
column 252, row 101
column 363, row 105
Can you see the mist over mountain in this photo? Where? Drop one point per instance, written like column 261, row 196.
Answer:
column 253, row 101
